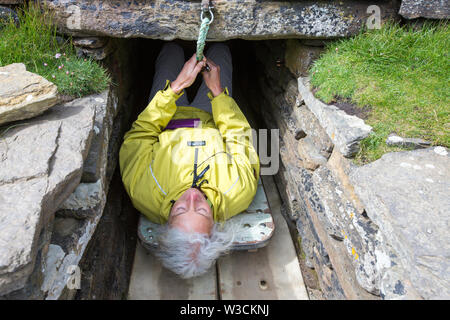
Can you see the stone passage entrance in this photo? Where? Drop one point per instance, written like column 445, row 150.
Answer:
column 265, row 89
column 272, row 272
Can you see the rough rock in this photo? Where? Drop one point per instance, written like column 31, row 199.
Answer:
column 407, row 195
column 308, row 122
column 89, row 42
column 300, row 134
column 310, row 155
column 341, row 221
column 20, row 228
column 430, row 9
column 53, row 262
column 83, row 202
column 11, row 1
column 341, row 168
column 6, row 14
column 17, row 162
column 327, row 216
column 299, row 57
column 79, row 215
column 344, row 130
column 72, row 236
column 414, row 143
column 111, row 249
column 35, row 178
column 329, row 224
column 99, row 146
column 96, row 53
column 24, row 94
column 252, row 20
column 329, row 257
column 314, row 42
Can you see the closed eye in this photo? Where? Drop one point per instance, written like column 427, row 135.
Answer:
column 179, row 210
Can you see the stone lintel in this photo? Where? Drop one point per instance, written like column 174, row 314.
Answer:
column 249, row 19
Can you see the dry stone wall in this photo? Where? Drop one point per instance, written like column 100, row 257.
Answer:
column 429, row 9
column 370, row 232
column 24, row 94
column 55, row 170
column 41, row 164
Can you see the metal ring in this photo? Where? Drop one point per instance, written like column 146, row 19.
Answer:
column 211, row 14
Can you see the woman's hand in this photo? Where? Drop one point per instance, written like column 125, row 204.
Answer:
column 212, row 78
column 188, row 74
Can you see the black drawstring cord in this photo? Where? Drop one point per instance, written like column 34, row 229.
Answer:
column 200, row 185
column 198, row 177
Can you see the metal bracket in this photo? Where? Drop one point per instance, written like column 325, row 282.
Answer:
column 206, row 5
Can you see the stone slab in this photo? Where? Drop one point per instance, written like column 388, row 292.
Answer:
column 11, row 1
column 24, row 94
column 30, row 196
column 17, row 162
column 407, row 194
column 429, row 9
column 99, row 146
column 89, row 42
column 344, row 130
column 83, row 208
column 6, row 14
column 413, row 143
column 20, row 226
column 299, row 57
column 84, row 202
column 249, row 19
column 309, row 153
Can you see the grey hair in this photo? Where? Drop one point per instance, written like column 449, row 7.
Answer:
column 191, row 254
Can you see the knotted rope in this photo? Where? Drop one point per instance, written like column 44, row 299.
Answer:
column 204, row 27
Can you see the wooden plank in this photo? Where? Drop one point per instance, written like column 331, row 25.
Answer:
column 150, row 281
column 272, row 272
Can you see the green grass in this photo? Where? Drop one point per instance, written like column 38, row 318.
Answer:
column 35, row 44
column 403, row 74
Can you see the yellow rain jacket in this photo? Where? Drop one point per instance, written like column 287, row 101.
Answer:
column 157, row 165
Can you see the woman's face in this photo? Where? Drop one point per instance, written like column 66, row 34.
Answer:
column 192, row 213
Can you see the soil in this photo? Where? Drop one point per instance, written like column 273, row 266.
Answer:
column 348, row 107
column 66, row 98
column 352, row 109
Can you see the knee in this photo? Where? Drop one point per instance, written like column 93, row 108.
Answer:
column 172, row 48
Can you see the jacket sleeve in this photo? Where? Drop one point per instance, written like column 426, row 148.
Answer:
column 137, row 149
column 235, row 130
